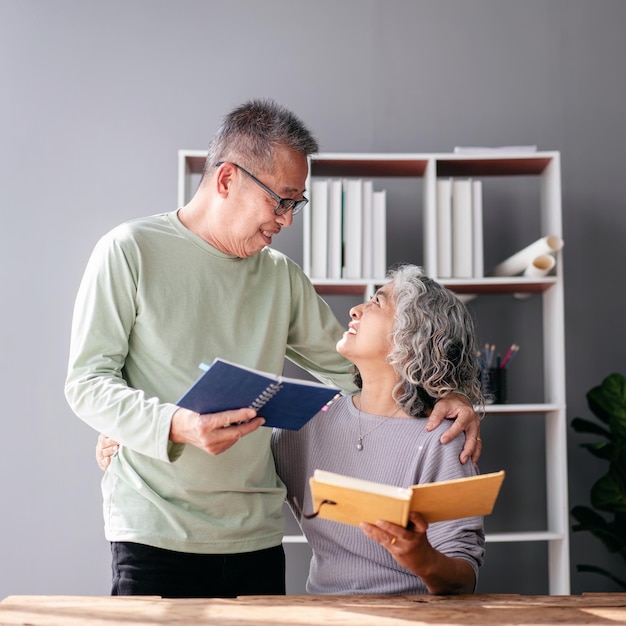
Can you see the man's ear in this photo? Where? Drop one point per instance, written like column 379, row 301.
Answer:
column 224, row 179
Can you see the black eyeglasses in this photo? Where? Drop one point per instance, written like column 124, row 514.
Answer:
column 284, row 205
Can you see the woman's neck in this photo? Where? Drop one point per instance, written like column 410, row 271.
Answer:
column 377, row 395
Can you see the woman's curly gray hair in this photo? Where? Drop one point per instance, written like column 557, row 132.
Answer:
column 434, row 343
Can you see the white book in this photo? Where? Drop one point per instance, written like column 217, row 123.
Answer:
column 335, row 235
column 444, row 227
column 462, row 237
column 477, row 228
column 319, row 227
column 353, row 228
column 368, row 229
column 379, row 247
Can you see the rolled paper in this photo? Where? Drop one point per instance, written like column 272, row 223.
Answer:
column 523, row 259
column 540, row 266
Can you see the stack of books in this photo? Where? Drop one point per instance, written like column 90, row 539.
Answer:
column 459, row 228
column 348, row 229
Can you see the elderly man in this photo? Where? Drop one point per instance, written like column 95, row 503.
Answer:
column 193, row 509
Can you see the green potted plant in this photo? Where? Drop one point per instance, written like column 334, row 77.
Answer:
column 606, row 518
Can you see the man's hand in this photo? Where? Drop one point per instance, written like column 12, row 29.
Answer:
column 213, row 432
column 105, row 449
column 459, row 408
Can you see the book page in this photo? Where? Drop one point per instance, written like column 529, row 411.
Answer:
column 368, row 486
column 353, row 504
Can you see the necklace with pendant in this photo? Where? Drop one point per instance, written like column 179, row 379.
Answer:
column 362, row 435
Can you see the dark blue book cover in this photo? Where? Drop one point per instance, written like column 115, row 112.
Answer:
column 283, row 402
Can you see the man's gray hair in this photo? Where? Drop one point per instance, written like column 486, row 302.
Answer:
column 251, row 133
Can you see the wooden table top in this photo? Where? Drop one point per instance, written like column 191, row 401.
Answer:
column 597, row 609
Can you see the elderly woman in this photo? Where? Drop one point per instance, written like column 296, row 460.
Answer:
column 412, row 343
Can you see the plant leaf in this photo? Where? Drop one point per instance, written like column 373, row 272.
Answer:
column 609, row 493
column 601, row 450
column 610, row 534
column 581, row 425
column 588, row 519
column 608, row 402
column 592, row 569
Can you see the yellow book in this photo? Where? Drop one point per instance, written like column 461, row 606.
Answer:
column 353, row 500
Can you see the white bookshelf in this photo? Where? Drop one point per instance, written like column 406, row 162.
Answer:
column 545, row 167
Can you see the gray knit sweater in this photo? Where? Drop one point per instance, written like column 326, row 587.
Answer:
column 397, row 452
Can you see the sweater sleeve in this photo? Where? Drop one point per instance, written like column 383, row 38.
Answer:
column 96, row 389
column 460, row 538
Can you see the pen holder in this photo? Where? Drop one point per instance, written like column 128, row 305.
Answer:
column 494, row 385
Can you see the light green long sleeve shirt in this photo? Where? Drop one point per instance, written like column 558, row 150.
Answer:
column 155, row 302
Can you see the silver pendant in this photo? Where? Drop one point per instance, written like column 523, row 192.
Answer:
column 359, row 445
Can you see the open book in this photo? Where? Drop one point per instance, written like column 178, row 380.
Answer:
column 353, row 500
column 284, row 402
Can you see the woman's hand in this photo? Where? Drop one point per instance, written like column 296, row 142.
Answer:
column 410, row 548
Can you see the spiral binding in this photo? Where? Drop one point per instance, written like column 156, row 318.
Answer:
column 266, row 395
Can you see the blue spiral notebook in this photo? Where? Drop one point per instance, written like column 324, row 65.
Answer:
column 287, row 403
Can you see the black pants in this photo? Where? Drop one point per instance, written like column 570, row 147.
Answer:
column 140, row 570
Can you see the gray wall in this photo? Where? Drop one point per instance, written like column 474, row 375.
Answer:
column 97, row 97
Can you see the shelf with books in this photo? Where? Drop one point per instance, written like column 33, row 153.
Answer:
column 356, row 242
column 511, row 218
column 428, row 169
column 536, row 175
column 508, row 221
